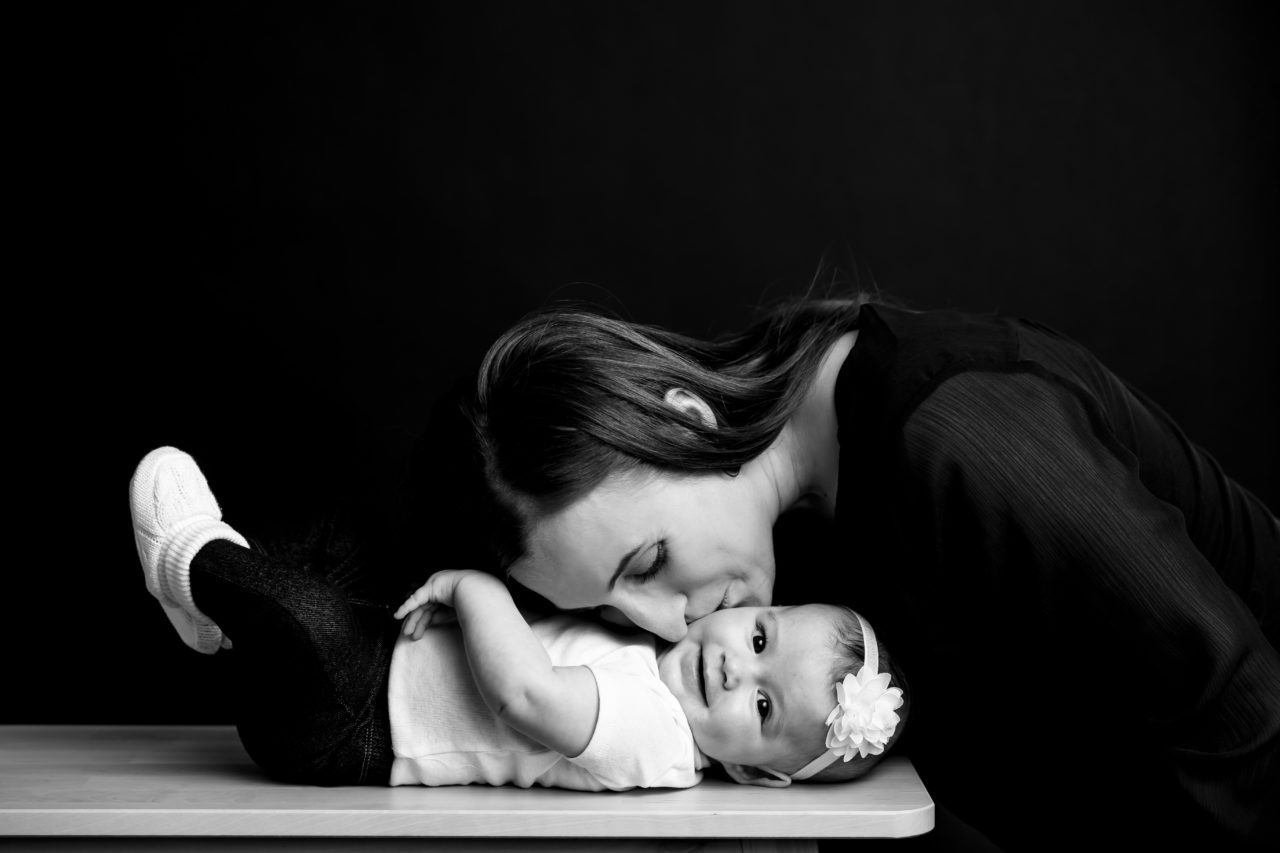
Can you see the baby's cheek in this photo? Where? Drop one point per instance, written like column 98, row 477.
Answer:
column 713, row 741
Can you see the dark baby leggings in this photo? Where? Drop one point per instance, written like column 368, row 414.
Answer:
column 311, row 650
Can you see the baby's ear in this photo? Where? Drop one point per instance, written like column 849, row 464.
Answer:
column 762, row 776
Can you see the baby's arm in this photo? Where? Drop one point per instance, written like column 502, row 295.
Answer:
column 554, row 705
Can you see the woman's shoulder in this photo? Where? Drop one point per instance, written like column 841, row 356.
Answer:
column 989, row 409
column 902, row 356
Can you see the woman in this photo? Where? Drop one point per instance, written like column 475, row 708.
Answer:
column 1085, row 603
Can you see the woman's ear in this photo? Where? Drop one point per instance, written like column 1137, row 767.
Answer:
column 762, row 776
column 691, row 404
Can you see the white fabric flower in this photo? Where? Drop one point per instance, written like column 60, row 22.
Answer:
column 863, row 719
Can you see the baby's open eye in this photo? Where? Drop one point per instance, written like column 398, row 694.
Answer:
column 759, row 641
column 762, row 705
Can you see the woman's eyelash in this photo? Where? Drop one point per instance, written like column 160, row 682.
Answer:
column 659, row 561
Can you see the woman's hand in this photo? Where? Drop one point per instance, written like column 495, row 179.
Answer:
column 433, row 603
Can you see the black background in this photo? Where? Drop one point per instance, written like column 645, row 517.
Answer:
column 274, row 238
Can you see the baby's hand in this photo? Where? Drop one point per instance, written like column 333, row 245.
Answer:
column 433, row 602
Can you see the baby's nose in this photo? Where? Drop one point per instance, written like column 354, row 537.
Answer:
column 731, row 671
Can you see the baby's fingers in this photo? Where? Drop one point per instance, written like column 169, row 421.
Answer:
column 443, row 616
column 434, row 617
column 418, row 599
column 415, row 618
column 421, row 625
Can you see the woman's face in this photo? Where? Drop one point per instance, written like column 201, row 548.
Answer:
column 660, row 549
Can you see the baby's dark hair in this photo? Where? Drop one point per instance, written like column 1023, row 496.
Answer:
column 850, row 652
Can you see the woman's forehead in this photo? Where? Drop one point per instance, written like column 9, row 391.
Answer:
column 610, row 516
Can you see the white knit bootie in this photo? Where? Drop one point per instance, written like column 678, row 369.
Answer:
column 174, row 516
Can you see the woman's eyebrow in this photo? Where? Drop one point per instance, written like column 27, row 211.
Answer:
column 622, row 565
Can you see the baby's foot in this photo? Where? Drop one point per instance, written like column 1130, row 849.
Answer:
column 174, row 516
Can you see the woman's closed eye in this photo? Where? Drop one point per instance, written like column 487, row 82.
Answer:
column 659, row 562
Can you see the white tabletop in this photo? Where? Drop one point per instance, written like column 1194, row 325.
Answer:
column 197, row 781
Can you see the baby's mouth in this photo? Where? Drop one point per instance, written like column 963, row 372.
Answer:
column 702, row 677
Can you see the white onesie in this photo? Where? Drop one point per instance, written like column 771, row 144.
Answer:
column 443, row 733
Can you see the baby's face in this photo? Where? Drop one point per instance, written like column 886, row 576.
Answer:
column 755, row 683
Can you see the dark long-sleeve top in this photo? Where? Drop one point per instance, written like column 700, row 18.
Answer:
column 1085, row 605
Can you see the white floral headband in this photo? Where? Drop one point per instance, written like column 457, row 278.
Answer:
column 864, row 717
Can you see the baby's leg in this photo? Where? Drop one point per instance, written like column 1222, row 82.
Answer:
column 311, row 656
column 310, row 662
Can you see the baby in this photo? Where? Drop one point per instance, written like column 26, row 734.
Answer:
column 328, row 691
column 768, row 693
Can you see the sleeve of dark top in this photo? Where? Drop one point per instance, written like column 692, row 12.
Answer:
column 1032, row 464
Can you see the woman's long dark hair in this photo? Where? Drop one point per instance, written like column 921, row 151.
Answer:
column 567, row 397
